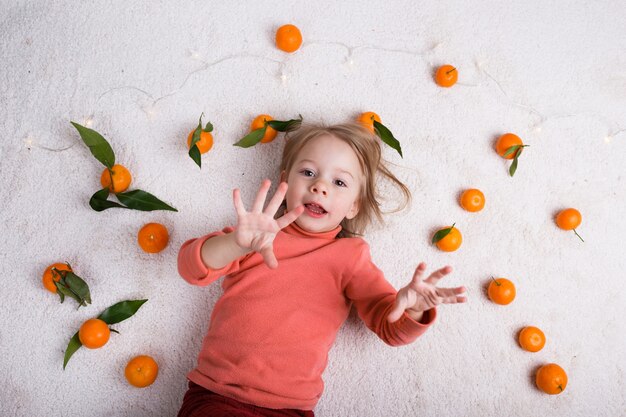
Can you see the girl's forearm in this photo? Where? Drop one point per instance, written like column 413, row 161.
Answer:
column 219, row 251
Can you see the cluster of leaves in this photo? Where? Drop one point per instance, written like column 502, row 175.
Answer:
column 194, row 152
column 136, row 199
column 71, row 285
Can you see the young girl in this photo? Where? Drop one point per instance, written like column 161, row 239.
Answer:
column 291, row 281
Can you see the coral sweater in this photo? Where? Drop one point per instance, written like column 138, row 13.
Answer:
column 270, row 332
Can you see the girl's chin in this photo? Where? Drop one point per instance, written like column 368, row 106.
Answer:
column 310, row 225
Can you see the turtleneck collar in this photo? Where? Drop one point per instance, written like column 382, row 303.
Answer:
column 295, row 230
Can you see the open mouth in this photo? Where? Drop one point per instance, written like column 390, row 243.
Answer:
column 315, row 208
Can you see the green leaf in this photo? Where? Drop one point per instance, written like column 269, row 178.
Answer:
column 285, row 126
column 72, row 347
column 208, row 128
column 196, row 133
column 63, row 289
column 97, row 144
column 60, row 290
column 386, row 136
column 79, row 287
column 66, row 291
column 252, row 138
column 99, row 201
column 194, row 153
column 511, row 150
column 513, row 167
column 121, row 311
column 143, row 201
column 442, row 233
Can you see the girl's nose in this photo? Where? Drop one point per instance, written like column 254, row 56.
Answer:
column 319, row 188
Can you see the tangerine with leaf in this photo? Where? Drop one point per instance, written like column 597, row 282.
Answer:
column 367, row 120
column 260, row 122
column 50, row 275
column 448, row 239
column 264, row 129
column 94, row 333
column 200, row 141
column 204, row 144
column 117, row 179
column 372, row 122
column 510, row 146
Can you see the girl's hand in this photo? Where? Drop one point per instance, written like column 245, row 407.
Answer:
column 257, row 228
column 421, row 295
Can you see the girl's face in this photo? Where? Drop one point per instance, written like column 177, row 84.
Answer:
column 326, row 178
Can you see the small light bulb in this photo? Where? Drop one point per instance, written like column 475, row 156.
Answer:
column 88, row 122
column 283, row 77
column 538, row 129
column 149, row 110
column 607, row 139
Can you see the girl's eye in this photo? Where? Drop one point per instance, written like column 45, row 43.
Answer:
column 340, row 183
column 307, row 172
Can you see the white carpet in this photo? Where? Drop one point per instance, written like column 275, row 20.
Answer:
column 552, row 72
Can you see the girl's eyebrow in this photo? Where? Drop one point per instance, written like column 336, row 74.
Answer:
column 313, row 162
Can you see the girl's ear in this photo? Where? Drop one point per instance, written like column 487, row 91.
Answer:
column 354, row 210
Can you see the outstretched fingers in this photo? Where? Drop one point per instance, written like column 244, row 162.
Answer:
column 417, row 275
column 452, row 295
column 261, row 195
column 277, row 199
column 289, row 217
column 241, row 210
column 434, row 278
column 268, row 256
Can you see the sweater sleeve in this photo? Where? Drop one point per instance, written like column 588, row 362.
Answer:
column 373, row 296
column 192, row 268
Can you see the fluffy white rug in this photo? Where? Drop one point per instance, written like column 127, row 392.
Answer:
column 142, row 72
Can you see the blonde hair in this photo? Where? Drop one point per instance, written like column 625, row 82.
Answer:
column 367, row 148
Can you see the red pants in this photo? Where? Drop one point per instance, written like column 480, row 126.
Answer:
column 200, row 402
